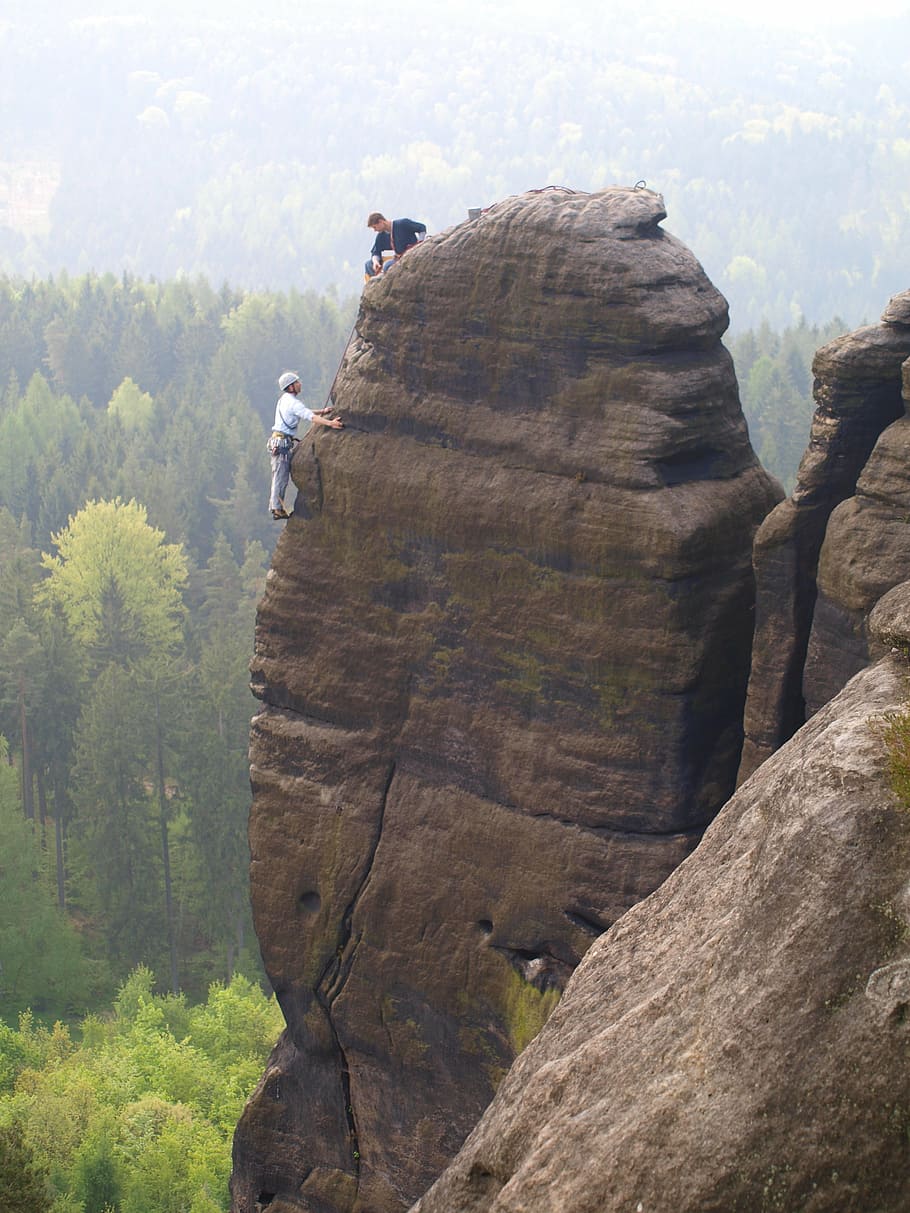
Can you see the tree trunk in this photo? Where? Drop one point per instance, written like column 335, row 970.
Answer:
column 42, row 806
column 59, row 802
column 28, row 803
column 165, row 849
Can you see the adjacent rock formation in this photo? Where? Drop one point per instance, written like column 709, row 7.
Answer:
column 740, row 1040
column 866, row 551
column 858, row 515
column 502, row 656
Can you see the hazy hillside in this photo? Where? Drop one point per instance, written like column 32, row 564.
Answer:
column 250, row 145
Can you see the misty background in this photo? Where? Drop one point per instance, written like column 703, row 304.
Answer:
column 248, row 143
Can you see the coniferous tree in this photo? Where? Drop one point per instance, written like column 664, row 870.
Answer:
column 119, row 587
column 23, row 1186
column 40, row 955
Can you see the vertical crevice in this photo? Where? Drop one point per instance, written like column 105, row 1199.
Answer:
column 318, row 494
column 335, row 974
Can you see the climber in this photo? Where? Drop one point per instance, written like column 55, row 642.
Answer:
column 393, row 236
column 289, row 412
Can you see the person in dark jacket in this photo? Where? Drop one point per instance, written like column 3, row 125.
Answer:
column 393, row 236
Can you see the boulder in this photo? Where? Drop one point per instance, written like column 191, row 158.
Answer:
column 858, row 395
column 889, row 621
column 502, row 658
column 741, row 1039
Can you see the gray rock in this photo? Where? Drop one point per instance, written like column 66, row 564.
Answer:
column 889, row 621
column 858, row 394
column 740, row 1040
column 898, row 310
column 865, row 553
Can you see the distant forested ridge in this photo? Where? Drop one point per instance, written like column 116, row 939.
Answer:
column 249, row 145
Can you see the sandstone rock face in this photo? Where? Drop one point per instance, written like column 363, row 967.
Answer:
column 502, row 656
column 740, row 1040
column 866, row 552
column 858, row 396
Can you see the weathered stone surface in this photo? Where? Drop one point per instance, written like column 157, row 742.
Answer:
column 858, row 395
column 889, row 622
column 865, row 553
column 740, row 1040
column 898, row 310
column 502, row 656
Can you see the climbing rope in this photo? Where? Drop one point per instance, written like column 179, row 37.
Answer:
column 328, row 399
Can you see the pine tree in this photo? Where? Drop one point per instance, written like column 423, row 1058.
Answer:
column 23, row 1186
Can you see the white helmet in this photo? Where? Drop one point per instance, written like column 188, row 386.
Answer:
column 287, row 379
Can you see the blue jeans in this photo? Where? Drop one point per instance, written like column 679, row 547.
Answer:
column 372, row 273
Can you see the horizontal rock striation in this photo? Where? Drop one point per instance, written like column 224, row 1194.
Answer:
column 502, row 655
column 739, row 1041
column 858, row 396
column 866, row 551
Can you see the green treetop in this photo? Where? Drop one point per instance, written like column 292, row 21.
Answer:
column 117, row 582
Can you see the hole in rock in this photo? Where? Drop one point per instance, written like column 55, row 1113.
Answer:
column 684, row 466
column 538, row 967
column 485, row 926
column 311, row 902
column 482, row 1180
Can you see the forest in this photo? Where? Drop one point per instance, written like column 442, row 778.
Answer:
column 136, row 1115
column 134, row 539
column 249, row 145
column 134, row 542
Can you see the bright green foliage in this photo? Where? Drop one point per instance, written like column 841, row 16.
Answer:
column 897, row 743
column 140, row 1114
column 134, row 407
column 119, row 587
column 117, row 582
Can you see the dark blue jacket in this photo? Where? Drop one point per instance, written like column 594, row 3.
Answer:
column 404, row 236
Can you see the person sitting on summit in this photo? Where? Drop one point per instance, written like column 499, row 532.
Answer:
column 393, row 236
